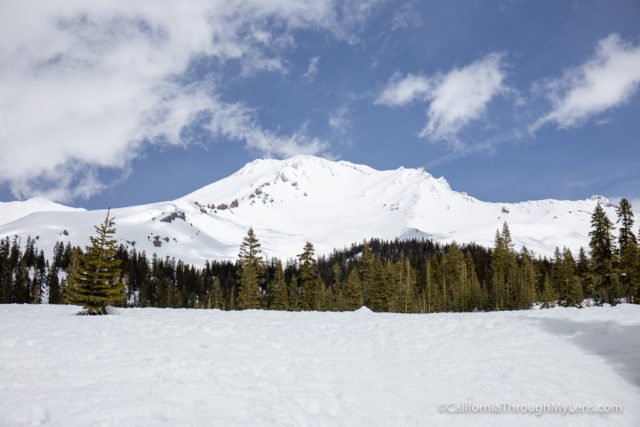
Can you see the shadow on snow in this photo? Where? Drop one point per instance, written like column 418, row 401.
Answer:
column 618, row 344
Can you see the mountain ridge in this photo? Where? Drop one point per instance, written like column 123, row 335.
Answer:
column 329, row 203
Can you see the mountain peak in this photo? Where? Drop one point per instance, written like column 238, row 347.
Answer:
column 310, row 162
column 329, row 203
column 309, row 175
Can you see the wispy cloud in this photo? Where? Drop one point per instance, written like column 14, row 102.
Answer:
column 608, row 79
column 406, row 17
column 454, row 99
column 237, row 122
column 488, row 145
column 86, row 86
column 340, row 120
column 312, row 69
column 401, row 91
column 461, row 96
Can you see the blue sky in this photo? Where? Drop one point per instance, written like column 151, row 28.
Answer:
column 112, row 105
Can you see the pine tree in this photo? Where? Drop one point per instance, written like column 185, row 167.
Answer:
column 54, row 286
column 477, row 299
column 94, row 278
column 408, row 290
column 602, row 247
column 352, row 295
column 563, row 276
column 294, row 294
column 337, row 287
column 576, row 295
column 435, row 287
column 250, row 267
column 629, row 265
column 378, row 293
column 217, row 295
column 327, row 300
column 454, row 268
column 583, row 270
column 571, row 295
column 504, row 271
column 278, row 289
column 250, row 250
column 367, row 272
column 21, row 283
column 528, row 279
column 5, row 272
column 548, row 296
column 39, row 284
column 310, row 286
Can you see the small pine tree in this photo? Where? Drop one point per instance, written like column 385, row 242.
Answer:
column 504, row 270
column 278, row 290
column 435, row 286
column 575, row 293
column 629, row 264
column 408, row 290
column 249, row 295
column 337, row 288
column 294, row 294
column 94, row 276
column 250, row 248
column 602, row 248
column 216, row 298
column 367, row 273
column 250, row 272
column 54, row 286
column 583, row 270
column 352, row 298
column 548, row 296
column 528, row 279
column 311, row 286
column 378, row 289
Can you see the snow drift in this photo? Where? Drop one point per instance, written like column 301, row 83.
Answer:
column 159, row 367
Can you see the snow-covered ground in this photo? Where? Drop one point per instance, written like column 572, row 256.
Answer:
column 155, row 367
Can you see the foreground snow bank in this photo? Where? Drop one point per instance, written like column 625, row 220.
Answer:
column 144, row 367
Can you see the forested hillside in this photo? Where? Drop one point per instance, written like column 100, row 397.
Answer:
column 406, row 276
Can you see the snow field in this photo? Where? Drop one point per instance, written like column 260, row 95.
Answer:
column 305, row 198
column 164, row 367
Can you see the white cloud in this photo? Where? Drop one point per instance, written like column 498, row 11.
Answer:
column 339, row 120
column 608, row 79
column 405, row 17
column 312, row 69
column 454, row 99
column 85, row 85
column 462, row 95
column 403, row 90
column 237, row 122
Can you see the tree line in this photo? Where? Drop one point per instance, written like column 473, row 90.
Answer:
column 405, row 276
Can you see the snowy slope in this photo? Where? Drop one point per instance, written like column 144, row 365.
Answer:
column 158, row 367
column 11, row 211
column 331, row 204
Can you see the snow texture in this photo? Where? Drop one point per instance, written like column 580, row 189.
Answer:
column 11, row 211
column 164, row 367
column 331, row 204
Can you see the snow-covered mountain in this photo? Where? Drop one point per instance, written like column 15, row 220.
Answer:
column 10, row 211
column 305, row 198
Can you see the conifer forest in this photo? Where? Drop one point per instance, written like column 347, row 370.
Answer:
column 402, row 276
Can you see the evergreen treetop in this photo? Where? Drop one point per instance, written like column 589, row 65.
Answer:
column 625, row 218
column 94, row 275
column 602, row 247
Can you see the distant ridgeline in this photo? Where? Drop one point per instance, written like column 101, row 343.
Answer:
column 407, row 276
